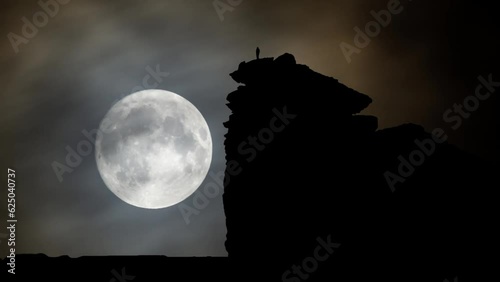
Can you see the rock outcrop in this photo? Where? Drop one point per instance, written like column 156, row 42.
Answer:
column 304, row 169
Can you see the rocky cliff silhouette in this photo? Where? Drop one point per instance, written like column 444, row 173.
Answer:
column 314, row 191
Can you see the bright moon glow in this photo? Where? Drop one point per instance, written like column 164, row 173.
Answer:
column 154, row 149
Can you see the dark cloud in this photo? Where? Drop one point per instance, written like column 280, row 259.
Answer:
column 95, row 52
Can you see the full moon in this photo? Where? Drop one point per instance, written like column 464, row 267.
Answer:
column 153, row 149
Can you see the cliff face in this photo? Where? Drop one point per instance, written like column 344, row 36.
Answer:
column 305, row 170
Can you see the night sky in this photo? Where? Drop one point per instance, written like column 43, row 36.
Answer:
column 92, row 53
